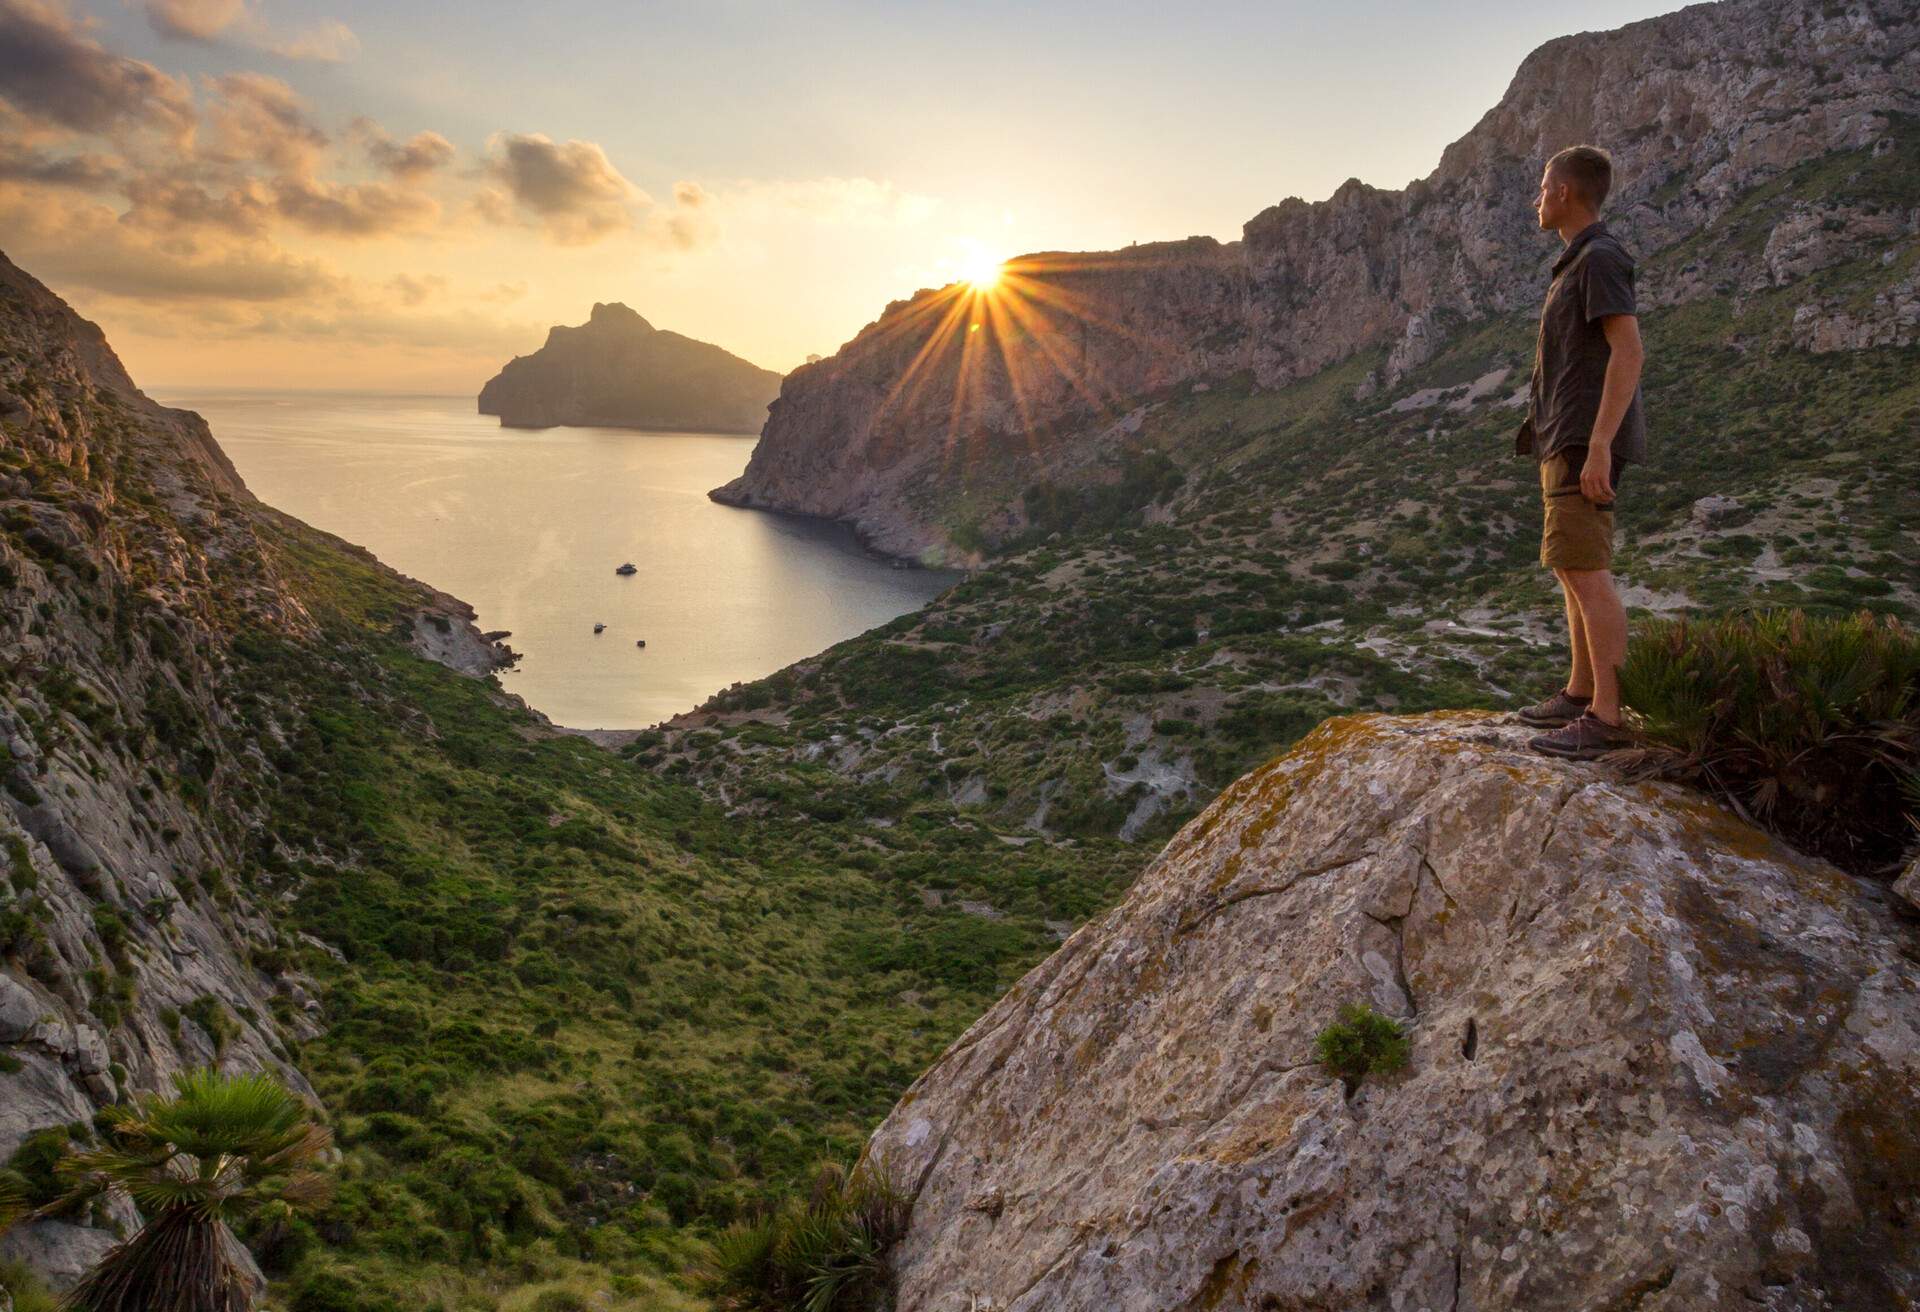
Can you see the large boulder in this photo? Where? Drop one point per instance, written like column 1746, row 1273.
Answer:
column 1659, row 1061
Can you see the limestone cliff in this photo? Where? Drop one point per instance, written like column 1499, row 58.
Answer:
column 617, row 370
column 1658, row 1061
column 923, row 418
column 136, row 933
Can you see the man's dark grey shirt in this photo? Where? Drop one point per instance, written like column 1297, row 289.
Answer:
column 1592, row 279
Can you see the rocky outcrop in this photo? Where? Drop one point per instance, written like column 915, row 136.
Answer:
column 1658, row 1061
column 617, row 370
column 445, row 632
column 1892, row 318
column 923, row 412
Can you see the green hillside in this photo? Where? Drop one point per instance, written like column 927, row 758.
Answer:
column 585, row 1015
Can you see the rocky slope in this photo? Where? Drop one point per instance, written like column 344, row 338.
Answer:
column 134, row 940
column 1658, row 1061
column 923, row 432
column 617, row 370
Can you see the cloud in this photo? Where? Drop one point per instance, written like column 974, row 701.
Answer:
column 194, row 20
column 211, row 21
column 174, row 205
column 692, row 222
column 85, row 243
column 411, row 291
column 152, row 274
column 506, row 292
column 570, row 188
column 371, row 209
column 50, row 71
column 178, row 206
column 85, row 172
column 330, row 42
column 254, row 118
column 411, row 160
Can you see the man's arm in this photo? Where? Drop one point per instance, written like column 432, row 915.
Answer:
column 1623, row 376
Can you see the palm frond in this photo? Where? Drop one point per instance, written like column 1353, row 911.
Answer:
column 211, row 1114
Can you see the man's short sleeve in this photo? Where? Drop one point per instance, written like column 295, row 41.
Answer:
column 1606, row 282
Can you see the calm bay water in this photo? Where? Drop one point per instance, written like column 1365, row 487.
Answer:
column 528, row 527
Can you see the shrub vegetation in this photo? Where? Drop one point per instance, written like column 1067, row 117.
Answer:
column 826, row 1254
column 1808, row 725
column 1360, row 1043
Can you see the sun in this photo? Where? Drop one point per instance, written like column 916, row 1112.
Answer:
column 980, row 270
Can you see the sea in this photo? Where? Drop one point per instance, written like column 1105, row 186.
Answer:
column 530, row 526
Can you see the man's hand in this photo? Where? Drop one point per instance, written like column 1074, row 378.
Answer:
column 1625, row 355
column 1596, row 476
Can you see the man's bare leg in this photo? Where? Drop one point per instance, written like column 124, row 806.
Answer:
column 1604, row 620
column 1580, row 682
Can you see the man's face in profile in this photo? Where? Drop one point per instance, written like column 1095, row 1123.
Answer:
column 1551, row 204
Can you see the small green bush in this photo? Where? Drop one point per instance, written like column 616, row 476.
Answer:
column 1810, row 726
column 1360, row 1043
column 209, row 1014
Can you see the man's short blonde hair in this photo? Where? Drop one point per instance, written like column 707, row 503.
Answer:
column 1587, row 169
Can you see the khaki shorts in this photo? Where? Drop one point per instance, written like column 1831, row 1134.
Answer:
column 1578, row 534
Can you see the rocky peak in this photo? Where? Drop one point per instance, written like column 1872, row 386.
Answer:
column 56, row 355
column 1658, row 1061
column 615, row 315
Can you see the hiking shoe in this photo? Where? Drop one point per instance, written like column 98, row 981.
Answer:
column 1583, row 739
column 1561, row 708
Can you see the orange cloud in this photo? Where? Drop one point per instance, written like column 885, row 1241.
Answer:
column 570, row 188
column 412, row 160
column 211, row 21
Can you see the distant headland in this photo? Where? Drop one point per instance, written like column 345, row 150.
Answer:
column 618, row 370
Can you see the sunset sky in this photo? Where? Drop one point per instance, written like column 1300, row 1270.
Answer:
column 386, row 196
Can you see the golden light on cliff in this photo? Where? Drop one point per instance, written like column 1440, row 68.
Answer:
column 1016, row 330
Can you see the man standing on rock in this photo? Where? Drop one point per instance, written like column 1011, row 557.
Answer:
column 1584, row 425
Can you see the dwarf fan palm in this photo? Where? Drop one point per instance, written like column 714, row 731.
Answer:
column 1810, row 724
column 219, row 1149
column 826, row 1254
